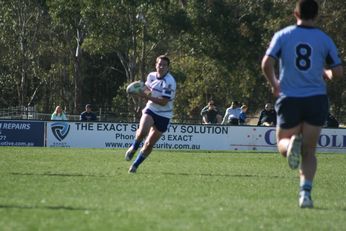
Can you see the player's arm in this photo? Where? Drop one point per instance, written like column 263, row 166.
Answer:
column 225, row 118
column 268, row 69
column 204, row 110
column 160, row 101
column 205, row 119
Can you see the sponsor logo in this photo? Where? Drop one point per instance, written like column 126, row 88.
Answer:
column 324, row 141
column 60, row 130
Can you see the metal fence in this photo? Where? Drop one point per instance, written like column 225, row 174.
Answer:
column 24, row 113
column 20, row 112
column 122, row 115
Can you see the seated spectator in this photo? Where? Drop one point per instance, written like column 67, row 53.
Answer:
column 88, row 115
column 331, row 122
column 58, row 114
column 242, row 115
column 267, row 116
column 210, row 114
column 232, row 113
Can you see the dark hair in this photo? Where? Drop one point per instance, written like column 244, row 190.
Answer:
column 236, row 103
column 307, row 9
column 163, row 57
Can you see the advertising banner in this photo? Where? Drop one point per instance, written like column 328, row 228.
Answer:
column 180, row 137
column 22, row 133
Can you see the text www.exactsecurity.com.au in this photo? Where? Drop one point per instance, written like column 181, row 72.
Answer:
column 160, row 146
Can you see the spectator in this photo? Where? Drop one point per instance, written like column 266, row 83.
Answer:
column 58, row 114
column 210, row 114
column 331, row 122
column 267, row 116
column 242, row 115
column 88, row 115
column 232, row 114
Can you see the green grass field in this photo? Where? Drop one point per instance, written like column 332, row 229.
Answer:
column 90, row 189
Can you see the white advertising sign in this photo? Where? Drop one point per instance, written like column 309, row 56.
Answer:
column 179, row 137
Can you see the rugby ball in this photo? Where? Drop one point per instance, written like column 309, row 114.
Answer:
column 135, row 87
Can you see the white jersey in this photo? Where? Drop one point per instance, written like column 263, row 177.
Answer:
column 161, row 88
column 231, row 113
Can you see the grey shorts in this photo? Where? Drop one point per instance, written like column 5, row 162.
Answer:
column 291, row 111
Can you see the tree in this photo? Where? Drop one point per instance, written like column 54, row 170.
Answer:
column 332, row 20
column 86, row 51
column 69, row 27
column 22, row 34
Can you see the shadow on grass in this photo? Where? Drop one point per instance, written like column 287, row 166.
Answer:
column 55, row 174
column 216, row 175
column 328, row 209
column 152, row 173
column 59, row 207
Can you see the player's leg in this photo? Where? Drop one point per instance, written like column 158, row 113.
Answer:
column 283, row 137
column 308, row 167
column 144, row 127
column 289, row 142
column 153, row 137
column 311, row 135
column 158, row 127
column 289, row 129
column 315, row 115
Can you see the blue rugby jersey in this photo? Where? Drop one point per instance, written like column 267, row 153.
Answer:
column 303, row 52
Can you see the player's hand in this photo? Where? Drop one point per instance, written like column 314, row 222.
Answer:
column 142, row 94
column 327, row 74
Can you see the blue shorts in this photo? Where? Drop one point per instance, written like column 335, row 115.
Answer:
column 291, row 111
column 160, row 122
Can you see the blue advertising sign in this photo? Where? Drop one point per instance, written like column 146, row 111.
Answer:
column 22, row 133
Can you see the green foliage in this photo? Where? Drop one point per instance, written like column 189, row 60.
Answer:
column 333, row 22
column 22, row 48
column 215, row 46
